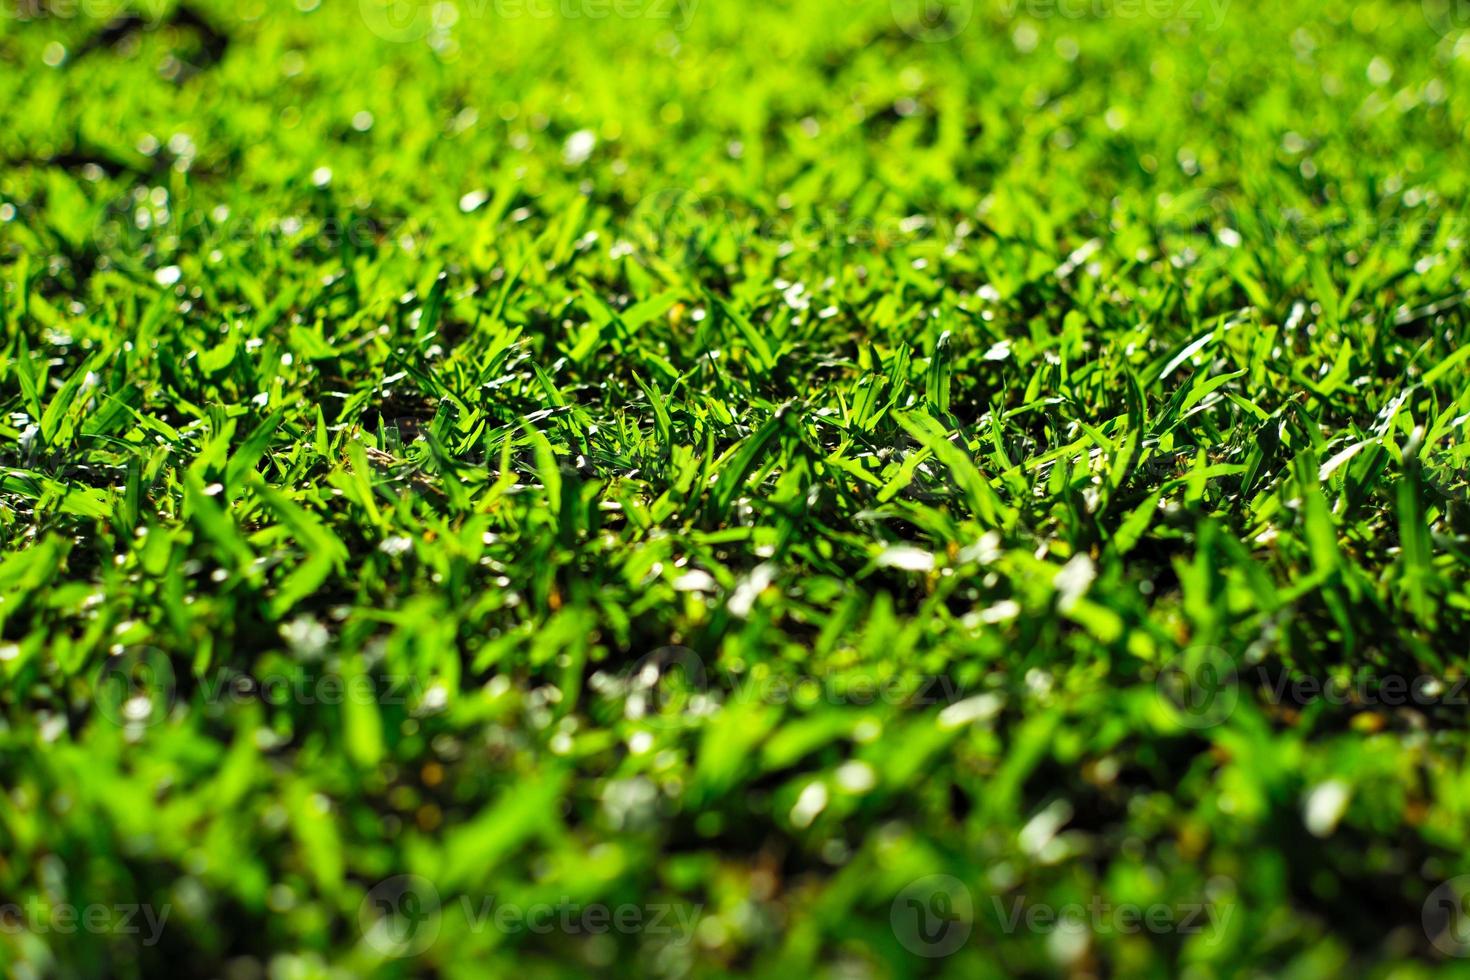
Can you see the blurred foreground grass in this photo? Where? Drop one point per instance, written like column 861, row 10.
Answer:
column 675, row 488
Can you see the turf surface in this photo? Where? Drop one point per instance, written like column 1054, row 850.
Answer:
column 789, row 488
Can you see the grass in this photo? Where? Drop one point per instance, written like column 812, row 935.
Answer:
column 765, row 488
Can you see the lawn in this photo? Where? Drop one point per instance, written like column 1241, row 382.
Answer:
column 784, row 488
